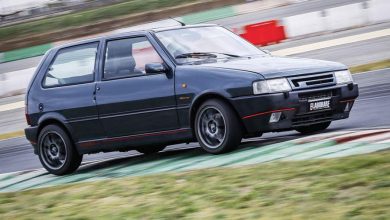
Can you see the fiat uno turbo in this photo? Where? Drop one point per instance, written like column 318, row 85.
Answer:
column 144, row 90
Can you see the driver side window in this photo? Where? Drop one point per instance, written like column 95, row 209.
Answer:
column 128, row 57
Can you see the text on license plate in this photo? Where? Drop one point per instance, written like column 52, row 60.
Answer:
column 318, row 105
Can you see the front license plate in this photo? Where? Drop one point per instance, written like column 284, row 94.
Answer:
column 319, row 105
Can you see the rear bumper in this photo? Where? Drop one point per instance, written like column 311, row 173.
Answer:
column 32, row 136
column 255, row 111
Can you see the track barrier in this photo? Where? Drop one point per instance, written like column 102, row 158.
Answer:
column 264, row 33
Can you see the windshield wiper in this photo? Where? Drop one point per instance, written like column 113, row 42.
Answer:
column 204, row 54
column 228, row 54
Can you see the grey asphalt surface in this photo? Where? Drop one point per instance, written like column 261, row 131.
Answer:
column 19, row 64
column 370, row 111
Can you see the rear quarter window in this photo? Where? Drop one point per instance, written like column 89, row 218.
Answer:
column 73, row 65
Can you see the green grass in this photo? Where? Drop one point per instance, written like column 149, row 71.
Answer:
column 355, row 187
column 86, row 17
column 371, row 66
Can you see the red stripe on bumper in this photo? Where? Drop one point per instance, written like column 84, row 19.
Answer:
column 349, row 100
column 269, row 112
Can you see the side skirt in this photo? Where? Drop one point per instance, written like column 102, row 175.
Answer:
column 130, row 142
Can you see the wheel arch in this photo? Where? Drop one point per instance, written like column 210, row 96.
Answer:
column 198, row 101
column 54, row 119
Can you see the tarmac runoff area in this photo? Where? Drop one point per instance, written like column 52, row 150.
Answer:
column 325, row 145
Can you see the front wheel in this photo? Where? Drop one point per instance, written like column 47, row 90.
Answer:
column 217, row 127
column 313, row 128
column 57, row 152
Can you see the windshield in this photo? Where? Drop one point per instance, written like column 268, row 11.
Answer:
column 195, row 44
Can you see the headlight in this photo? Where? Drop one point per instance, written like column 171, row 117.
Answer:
column 271, row 86
column 343, row 77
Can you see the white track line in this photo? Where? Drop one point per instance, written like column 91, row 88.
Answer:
column 332, row 43
column 11, row 106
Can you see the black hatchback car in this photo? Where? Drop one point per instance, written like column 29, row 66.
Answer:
column 145, row 90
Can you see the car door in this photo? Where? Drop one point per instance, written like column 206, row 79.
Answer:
column 129, row 100
column 67, row 90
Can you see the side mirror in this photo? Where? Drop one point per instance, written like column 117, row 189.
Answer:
column 152, row 68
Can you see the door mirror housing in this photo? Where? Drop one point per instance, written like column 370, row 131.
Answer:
column 152, row 68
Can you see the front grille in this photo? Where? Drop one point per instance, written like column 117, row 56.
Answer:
column 312, row 80
column 309, row 119
column 304, row 97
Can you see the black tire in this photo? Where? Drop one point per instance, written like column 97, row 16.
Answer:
column 313, row 128
column 150, row 149
column 54, row 137
column 208, row 125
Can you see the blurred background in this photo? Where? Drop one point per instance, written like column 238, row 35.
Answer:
column 353, row 32
column 28, row 28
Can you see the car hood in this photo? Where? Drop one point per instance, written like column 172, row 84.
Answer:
column 272, row 67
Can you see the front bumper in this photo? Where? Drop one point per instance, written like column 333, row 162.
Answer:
column 32, row 136
column 255, row 111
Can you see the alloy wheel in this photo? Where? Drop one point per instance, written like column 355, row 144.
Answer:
column 212, row 127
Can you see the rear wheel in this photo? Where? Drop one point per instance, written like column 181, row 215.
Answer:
column 151, row 150
column 313, row 128
column 57, row 152
column 217, row 127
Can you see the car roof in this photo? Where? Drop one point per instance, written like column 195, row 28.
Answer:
column 181, row 27
column 130, row 33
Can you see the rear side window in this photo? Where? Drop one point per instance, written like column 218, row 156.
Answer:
column 72, row 65
column 127, row 57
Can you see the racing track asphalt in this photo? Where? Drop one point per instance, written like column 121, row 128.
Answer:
column 370, row 111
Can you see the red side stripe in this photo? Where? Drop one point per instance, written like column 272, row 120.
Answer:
column 130, row 137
